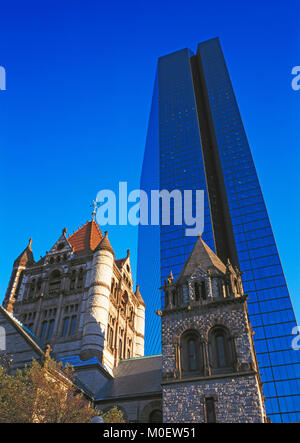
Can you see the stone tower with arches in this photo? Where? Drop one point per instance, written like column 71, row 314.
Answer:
column 209, row 367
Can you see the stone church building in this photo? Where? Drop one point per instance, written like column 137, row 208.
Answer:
column 80, row 299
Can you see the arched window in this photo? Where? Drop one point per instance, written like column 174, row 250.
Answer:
column 191, row 353
column 155, row 416
column 192, row 358
column 221, row 349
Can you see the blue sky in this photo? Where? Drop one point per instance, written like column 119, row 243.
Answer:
column 73, row 119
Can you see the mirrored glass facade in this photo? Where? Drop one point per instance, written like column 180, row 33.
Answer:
column 196, row 140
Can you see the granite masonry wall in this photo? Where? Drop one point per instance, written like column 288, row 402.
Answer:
column 236, row 401
column 237, row 395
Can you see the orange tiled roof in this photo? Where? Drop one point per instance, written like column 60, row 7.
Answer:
column 87, row 238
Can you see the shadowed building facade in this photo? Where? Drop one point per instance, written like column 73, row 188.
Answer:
column 196, row 140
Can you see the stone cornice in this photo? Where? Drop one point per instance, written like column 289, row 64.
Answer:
column 204, row 306
column 144, row 395
column 209, row 378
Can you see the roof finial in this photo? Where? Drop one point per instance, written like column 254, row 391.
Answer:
column 170, row 277
column 95, row 205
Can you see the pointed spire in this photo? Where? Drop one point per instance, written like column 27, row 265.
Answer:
column 26, row 257
column 105, row 244
column 201, row 257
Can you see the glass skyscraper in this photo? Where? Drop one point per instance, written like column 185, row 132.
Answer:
column 196, row 140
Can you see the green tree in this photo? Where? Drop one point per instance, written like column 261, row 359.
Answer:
column 46, row 393
column 42, row 394
column 113, row 415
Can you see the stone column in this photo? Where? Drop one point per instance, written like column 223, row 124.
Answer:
column 96, row 316
column 139, row 331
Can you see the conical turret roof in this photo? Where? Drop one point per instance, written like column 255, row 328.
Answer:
column 26, row 257
column 105, row 244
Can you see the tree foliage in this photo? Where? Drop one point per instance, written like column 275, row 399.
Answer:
column 42, row 394
column 113, row 415
column 46, row 393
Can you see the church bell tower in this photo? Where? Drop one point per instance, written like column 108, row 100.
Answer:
column 210, row 372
